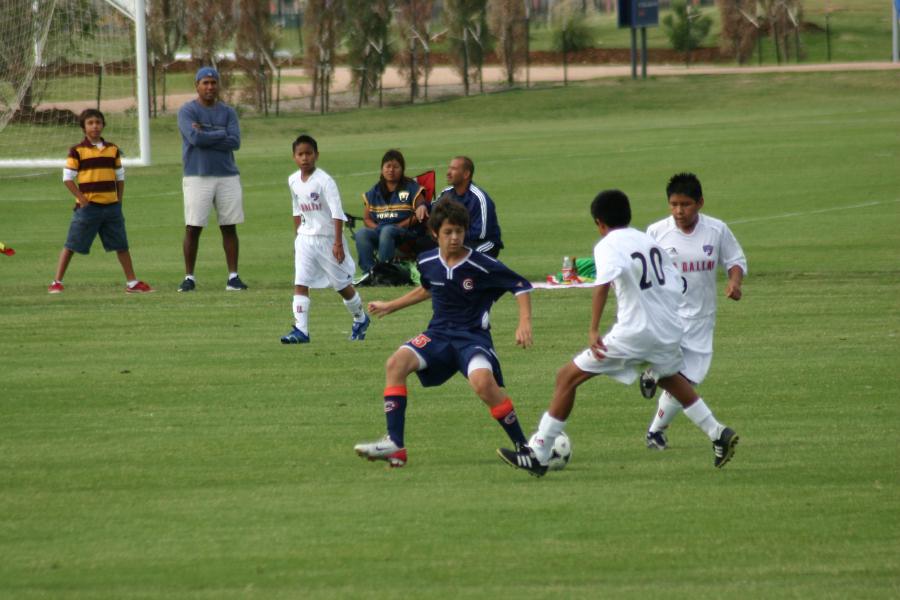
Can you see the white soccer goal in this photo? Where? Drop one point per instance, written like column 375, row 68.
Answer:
column 59, row 57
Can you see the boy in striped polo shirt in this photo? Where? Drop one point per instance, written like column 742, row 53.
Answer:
column 95, row 176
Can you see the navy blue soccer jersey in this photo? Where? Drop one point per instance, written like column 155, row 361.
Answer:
column 462, row 296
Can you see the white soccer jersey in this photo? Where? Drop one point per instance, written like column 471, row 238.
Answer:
column 647, row 285
column 317, row 202
column 697, row 255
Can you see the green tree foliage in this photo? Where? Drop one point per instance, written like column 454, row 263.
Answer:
column 470, row 40
column 254, row 47
column 368, row 43
column 741, row 27
column 208, row 29
column 783, row 19
column 321, row 32
column 686, row 27
column 571, row 32
column 166, row 21
column 413, row 18
column 507, row 21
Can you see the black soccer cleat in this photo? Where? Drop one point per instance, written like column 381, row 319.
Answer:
column 647, row 385
column 724, row 447
column 235, row 285
column 522, row 459
column 656, row 440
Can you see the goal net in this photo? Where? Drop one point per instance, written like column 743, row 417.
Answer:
column 59, row 57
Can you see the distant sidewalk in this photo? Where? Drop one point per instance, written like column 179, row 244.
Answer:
column 494, row 76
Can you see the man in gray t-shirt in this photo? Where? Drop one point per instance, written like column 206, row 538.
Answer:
column 210, row 134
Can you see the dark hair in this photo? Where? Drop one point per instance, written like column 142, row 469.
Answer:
column 305, row 139
column 389, row 156
column 450, row 211
column 468, row 165
column 88, row 113
column 394, row 155
column 611, row 208
column 685, row 184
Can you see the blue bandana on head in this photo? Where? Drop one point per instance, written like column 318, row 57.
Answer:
column 206, row 72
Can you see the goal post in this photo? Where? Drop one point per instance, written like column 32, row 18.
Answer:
column 59, row 57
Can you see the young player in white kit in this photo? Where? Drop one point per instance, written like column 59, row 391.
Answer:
column 320, row 250
column 698, row 245
column 647, row 330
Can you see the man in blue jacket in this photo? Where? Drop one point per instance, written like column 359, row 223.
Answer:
column 210, row 134
column 483, row 233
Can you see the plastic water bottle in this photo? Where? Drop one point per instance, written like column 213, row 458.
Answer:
column 568, row 268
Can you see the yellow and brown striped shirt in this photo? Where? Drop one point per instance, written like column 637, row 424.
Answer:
column 96, row 167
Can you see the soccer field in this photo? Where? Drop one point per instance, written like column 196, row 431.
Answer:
column 168, row 446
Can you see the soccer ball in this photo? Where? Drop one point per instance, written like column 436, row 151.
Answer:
column 561, row 453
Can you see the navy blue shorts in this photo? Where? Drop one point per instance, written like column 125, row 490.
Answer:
column 447, row 353
column 88, row 221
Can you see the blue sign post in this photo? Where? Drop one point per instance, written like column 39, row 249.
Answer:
column 895, row 37
column 639, row 14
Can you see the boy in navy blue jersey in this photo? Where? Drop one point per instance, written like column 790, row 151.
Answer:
column 463, row 284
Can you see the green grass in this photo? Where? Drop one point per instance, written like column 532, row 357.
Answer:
column 168, row 446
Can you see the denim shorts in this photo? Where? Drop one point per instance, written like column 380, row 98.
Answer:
column 88, row 221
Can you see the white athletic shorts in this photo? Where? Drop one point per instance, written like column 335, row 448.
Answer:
column 627, row 355
column 201, row 194
column 696, row 364
column 697, row 347
column 315, row 266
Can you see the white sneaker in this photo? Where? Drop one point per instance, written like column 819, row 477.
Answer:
column 383, row 449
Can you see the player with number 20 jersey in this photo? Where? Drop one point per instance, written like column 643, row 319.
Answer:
column 648, row 288
column 647, row 330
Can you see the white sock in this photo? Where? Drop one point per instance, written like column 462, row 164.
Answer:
column 703, row 418
column 355, row 307
column 301, row 313
column 189, row 276
column 131, row 283
column 232, row 275
column 667, row 409
column 548, row 430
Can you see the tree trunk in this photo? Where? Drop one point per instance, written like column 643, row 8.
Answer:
column 413, row 79
column 466, row 62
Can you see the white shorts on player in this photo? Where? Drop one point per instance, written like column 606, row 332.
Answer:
column 201, row 194
column 697, row 347
column 627, row 353
column 696, row 365
column 315, row 265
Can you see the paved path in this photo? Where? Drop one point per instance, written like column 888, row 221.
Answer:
column 444, row 76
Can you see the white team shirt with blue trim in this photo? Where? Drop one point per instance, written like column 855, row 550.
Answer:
column 698, row 256
column 317, row 202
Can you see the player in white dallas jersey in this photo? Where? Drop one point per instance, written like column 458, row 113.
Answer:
column 698, row 245
column 320, row 249
column 647, row 330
